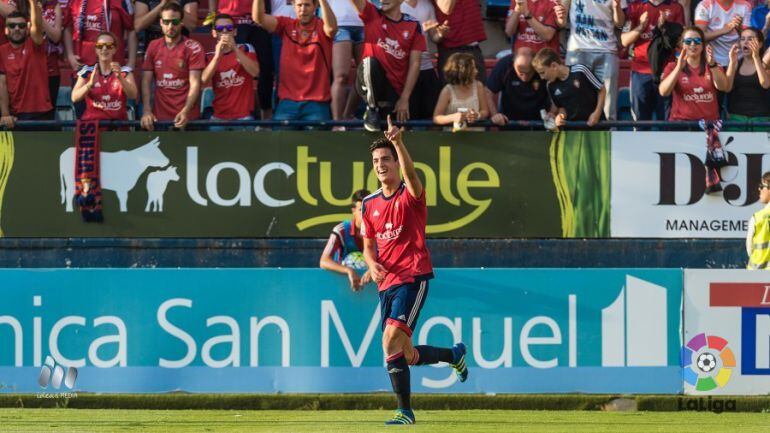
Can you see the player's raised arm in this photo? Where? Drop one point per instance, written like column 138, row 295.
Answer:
column 413, row 183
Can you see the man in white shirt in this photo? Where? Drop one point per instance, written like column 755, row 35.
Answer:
column 721, row 22
column 593, row 42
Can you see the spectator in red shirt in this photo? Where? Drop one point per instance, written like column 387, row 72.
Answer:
column 694, row 80
column 52, row 27
column 304, row 86
column 251, row 33
column 231, row 70
column 535, row 24
column 643, row 17
column 23, row 67
column 84, row 20
column 174, row 64
column 393, row 45
column 147, row 18
column 105, row 86
column 463, row 17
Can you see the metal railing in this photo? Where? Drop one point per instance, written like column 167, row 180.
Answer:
column 520, row 125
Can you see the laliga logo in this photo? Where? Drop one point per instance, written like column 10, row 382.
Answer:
column 707, row 362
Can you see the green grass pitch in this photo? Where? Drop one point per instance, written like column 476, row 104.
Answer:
column 466, row 421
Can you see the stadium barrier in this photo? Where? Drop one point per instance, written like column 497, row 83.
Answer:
column 527, row 184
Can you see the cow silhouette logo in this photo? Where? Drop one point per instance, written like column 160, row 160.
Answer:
column 157, row 181
column 120, row 171
column 54, row 375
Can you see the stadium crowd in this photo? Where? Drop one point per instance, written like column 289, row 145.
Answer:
column 292, row 60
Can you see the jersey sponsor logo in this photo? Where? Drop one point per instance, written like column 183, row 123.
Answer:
column 168, row 81
column 392, row 47
column 698, row 96
column 389, row 233
column 107, row 104
column 230, row 78
column 93, row 23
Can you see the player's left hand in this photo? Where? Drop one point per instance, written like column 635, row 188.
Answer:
column 393, row 132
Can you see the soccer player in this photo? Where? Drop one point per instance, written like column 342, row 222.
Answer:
column 393, row 229
column 344, row 240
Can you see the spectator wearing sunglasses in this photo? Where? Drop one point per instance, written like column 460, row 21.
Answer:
column 106, row 85
column 173, row 64
column 23, row 68
column 147, row 18
column 259, row 38
column 749, row 80
column 231, row 70
column 84, row 20
column 304, row 86
column 758, row 235
column 694, row 80
column 721, row 22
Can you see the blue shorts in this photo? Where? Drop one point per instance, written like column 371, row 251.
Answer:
column 400, row 305
column 353, row 34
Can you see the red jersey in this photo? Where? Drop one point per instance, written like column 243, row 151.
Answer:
column 240, row 10
column 525, row 36
column 171, row 68
column 694, row 96
column 53, row 50
column 671, row 9
column 87, row 22
column 391, row 42
column 233, row 86
column 26, row 73
column 106, row 100
column 397, row 224
column 306, row 60
column 465, row 24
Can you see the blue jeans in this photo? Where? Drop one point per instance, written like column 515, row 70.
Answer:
column 646, row 100
column 302, row 110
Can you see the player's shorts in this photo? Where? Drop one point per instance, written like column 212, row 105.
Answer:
column 400, row 305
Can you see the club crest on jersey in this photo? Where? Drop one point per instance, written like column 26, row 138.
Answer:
column 181, row 64
column 376, row 213
column 406, row 35
column 576, row 83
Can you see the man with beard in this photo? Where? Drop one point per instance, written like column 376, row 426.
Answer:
column 24, row 70
column 174, row 63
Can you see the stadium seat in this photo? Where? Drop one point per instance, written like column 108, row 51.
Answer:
column 64, row 108
column 207, row 103
column 624, row 104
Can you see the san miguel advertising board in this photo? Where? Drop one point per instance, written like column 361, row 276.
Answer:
column 303, row 330
column 299, row 184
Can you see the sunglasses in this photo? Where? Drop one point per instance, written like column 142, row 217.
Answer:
column 763, row 186
column 693, row 41
column 105, row 46
column 173, row 21
column 224, row 28
column 16, row 25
